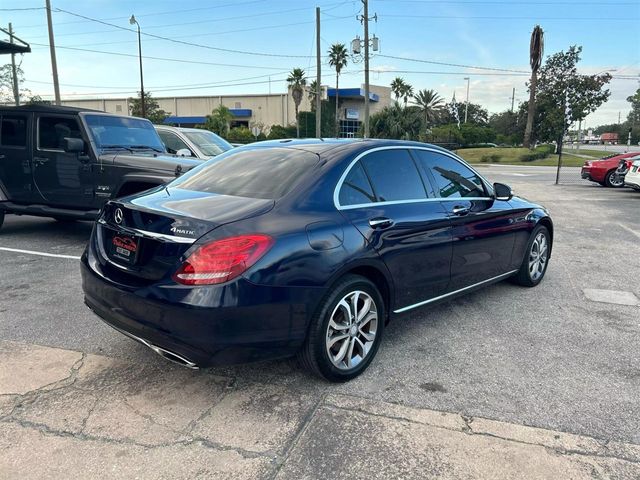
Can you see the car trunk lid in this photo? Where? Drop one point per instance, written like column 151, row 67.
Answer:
column 145, row 237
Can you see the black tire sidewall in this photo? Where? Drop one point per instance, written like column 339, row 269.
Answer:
column 1, row 217
column 321, row 323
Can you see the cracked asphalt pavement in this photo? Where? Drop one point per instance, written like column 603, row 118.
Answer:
column 504, row 383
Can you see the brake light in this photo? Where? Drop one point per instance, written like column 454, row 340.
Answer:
column 222, row 260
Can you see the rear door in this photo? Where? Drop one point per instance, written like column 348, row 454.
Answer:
column 60, row 178
column 483, row 228
column 15, row 156
column 386, row 198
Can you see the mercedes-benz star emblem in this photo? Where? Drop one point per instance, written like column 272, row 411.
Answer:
column 118, row 216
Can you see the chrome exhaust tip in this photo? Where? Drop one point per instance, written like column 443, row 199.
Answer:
column 163, row 352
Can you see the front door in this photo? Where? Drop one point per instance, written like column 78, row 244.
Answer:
column 15, row 155
column 483, row 228
column 387, row 199
column 60, row 178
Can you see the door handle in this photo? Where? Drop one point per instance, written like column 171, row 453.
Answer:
column 460, row 210
column 380, row 222
column 40, row 160
column 1, row 157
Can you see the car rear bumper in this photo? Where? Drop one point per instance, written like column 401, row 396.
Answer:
column 632, row 181
column 208, row 325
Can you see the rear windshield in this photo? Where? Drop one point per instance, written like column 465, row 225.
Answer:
column 258, row 173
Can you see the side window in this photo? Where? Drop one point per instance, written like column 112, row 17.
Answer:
column 393, row 175
column 13, row 131
column 53, row 130
column 356, row 188
column 172, row 142
column 453, row 179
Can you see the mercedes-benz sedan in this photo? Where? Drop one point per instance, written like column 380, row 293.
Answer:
column 305, row 248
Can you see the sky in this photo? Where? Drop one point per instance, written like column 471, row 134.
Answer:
column 218, row 47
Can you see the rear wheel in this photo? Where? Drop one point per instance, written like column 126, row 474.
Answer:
column 535, row 262
column 345, row 333
column 612, row 180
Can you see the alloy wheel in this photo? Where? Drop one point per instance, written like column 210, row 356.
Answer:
column 538, row 256
column 352, row 329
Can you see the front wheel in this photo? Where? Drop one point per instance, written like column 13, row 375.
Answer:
column 345, row 333
column 535, row 262
column 613, row 180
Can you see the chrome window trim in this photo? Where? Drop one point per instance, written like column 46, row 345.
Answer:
column 336, row 191
column 440, row 297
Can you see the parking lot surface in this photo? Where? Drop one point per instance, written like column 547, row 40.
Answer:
column 503, row 381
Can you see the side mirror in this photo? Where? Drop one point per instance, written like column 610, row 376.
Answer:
column 73, row 145
column 503, row 192
column 184, row 152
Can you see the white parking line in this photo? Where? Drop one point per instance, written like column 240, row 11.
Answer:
column 630, row 230
column 42, row 254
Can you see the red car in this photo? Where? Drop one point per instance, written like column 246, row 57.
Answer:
column 603, row 170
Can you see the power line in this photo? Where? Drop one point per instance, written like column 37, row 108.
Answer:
column 493, row 17
column 234, row 4
column 182, row 42
column 208, row 21
column 509, row 2
column 147, row 57
column 446, row 64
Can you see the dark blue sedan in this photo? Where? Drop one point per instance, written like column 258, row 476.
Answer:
column 305, row 248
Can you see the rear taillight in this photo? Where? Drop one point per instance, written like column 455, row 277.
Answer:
column 222, row 260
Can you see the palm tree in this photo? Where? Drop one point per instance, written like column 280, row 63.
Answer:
column 338, row 59
column 407, row 92
column 397, row 87
column 311, row 94
column 431, row 105
column 536, row 52
column 296, row 82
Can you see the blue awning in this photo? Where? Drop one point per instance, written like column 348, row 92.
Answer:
column 198, row 120
column 352, row 93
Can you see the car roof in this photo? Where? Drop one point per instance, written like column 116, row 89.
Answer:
column 40, row 107
column 338, row 145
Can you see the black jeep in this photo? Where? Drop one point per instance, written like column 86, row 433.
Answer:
column 65, row 162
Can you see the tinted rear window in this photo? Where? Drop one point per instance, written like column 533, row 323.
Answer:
column 13, row 131
column 260, row 173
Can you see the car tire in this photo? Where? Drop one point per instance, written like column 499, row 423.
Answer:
column 1, row 217
column 534, row 264
column 610, row 180
column 340, row 347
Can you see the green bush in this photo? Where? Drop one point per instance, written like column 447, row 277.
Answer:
column 242, row 135
column 492, row 158
column 539, row 153
column 278, row 131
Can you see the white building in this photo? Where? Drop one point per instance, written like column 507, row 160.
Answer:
column 264, row 109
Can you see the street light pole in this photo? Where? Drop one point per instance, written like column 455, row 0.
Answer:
column 132, row 21
column 366, row 68
column 466, row 107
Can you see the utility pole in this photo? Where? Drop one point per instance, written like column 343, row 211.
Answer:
column 366, row 68
column 513, row 98
column 578, row 136
column 466, row 105
column 52, row 51
column 318, row 77
column 14, row 71
column 618, row 118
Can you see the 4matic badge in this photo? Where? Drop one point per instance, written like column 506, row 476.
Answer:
column 182, row 231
